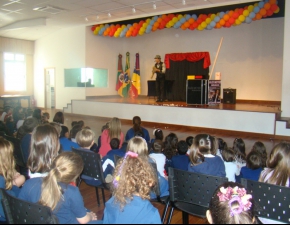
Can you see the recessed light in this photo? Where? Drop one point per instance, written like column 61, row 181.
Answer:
column 154, row 6
column 133, row 10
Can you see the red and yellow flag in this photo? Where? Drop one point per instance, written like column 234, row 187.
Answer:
column 135, row 88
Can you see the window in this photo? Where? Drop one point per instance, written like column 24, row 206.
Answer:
column 14, row 72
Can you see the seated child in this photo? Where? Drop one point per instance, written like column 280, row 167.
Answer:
column 253, row 168
column 203, row 161
column 85, row 139
column 221, row 146
column 10, row 179
column 181, row 160
column 55, row 191
column 158, row 134
column 260, row 148
column 231, row 204
column 106, row 126
column 21, row 118
column 158, row 157
column 133, row 180
column 108, row 162
column 66, row 143
column 189, row 141
column 232, row 170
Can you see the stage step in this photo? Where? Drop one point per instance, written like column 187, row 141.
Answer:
column 68, row 108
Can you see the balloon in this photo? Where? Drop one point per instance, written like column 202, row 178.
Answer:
column 222, row 22
column 194, row 16
column 186, row 24
column 182, row 20
column 212, row 24
column 212, row 16
column 248, row 20
column 226, row 17
column 250, row 8
column 209, row 27
column 159, row 20
column 258, row 16
column 217, row 19
column 204, row 24
column 200, row 28
column 218, row 26
column 155, row 18
column 277, row 10
column 180, row 16
column 191, row 21
column 272, row 1
column 270, row 12
column 195, row 25
column 156, row 24
column 175, row 19
column 256, row 9
column 246, row 13
column 171, row 23
column 267, row 6
column 187, row 17
column 221, row 15
column 208, row 20
column 242, row 18
column 178, row 24
column 232, row 20
column 261, row 4
column 235, row 15
column 263, row 12
column 252, row 15
column 274, row 7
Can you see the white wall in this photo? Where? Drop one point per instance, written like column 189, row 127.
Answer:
column 61, row 50
column 286, row 66
column 250, row 60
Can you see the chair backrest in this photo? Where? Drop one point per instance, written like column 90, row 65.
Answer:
column 117, row 158
column 271, row 201
column 17, row 151
column 18, row 211
column 92, row 164
column 188, row 189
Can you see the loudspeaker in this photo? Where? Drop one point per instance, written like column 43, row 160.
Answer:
column 197, row 92
column 229, row 96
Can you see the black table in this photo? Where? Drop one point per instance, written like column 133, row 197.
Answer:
column 14, row 100
column 152, row 90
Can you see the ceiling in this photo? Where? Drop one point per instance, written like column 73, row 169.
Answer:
column 19, row 20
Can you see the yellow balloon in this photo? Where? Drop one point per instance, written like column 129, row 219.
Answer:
column 180, row 16
column 277, row 10
column 171, row 23
column 203, row 24
column 238, row 22
column 123, row 26
column 212, row 16
column 246, row 13
column 242, row 18
column 200, row 28
column 175, row 19
column 208, row 20
column 145, row 25
column 148, row 21
column 251, row 8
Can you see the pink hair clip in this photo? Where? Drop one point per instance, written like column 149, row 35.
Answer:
column 238, row 195
column 132, row 154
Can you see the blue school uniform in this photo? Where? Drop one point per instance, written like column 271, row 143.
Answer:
column 137, row 211
column 67, row 144
column 180, row 162
column 211, row 166
column 249, row 174
column 14, row 192
column 130, row 134
column 67, row 210
column 108, row 162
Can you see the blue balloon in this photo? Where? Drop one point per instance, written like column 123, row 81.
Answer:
column 152, row 22
column 222, row 14
column 147, row 31
column 107, row 25
column 149, row 27
column 187, row 17
column 217, row 19
column 100, row 32
column 178, row 24
column 122, row 35
column 212, row 24
column 209, row 27
column 194, row 16
column 252, row 15
column 129, row 25
column 155, row 18
column 261, row 4
column 248, row 20
column 256, row 9
column 182, row 20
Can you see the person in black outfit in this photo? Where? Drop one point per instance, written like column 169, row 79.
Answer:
column 159, row 69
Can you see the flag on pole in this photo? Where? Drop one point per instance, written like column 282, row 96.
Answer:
column 125, row 78
column 119, row 82
column 135, row 88
column 123, row 81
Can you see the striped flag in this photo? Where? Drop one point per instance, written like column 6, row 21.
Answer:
column 119, row 82
column 125, row 78
column 135, row 88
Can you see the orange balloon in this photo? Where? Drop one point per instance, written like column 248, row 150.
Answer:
column 226, row 17
column 231, row 13
column 258, row 16
column 159, row 20
column 154, row 28
column 267, row 6
column 191, row 21
column 164, row 16
column 263, row 11
column 222, row 22
column 218, row 26
column 156, row 24
column 186, row 24
column 272, row 2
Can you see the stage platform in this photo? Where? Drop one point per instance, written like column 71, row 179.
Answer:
column 252, row 118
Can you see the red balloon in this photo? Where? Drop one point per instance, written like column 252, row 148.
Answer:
column 228, row 24
column 240, row 11
column 195, row 25
column 199, row 20
column 235, row 15
column 232, row 20
column 93, row 28
column 270, row 12
column 274, row 7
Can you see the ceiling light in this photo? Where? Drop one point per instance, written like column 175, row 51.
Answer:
column 183, row 2
column 154, row 6
column 133, row 10
column 109, row 15
column 49, row 9
column 86, row 19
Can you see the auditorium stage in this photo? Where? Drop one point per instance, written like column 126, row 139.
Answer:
column 258, row 118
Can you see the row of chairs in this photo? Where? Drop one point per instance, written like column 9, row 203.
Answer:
column 189, row 192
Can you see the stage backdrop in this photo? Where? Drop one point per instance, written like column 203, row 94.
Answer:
column 180, row 65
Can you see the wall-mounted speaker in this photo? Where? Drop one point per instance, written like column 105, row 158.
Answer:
column 229, row 96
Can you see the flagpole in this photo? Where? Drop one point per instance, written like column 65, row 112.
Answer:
column 217, row 54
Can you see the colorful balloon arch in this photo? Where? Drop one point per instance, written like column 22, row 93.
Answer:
column 263, row 9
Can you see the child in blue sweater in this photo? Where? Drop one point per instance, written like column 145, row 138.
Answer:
column 202, row 160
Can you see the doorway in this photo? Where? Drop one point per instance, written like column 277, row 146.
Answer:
column 49, row 81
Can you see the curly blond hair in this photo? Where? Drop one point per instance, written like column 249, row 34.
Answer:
column 135, row 177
